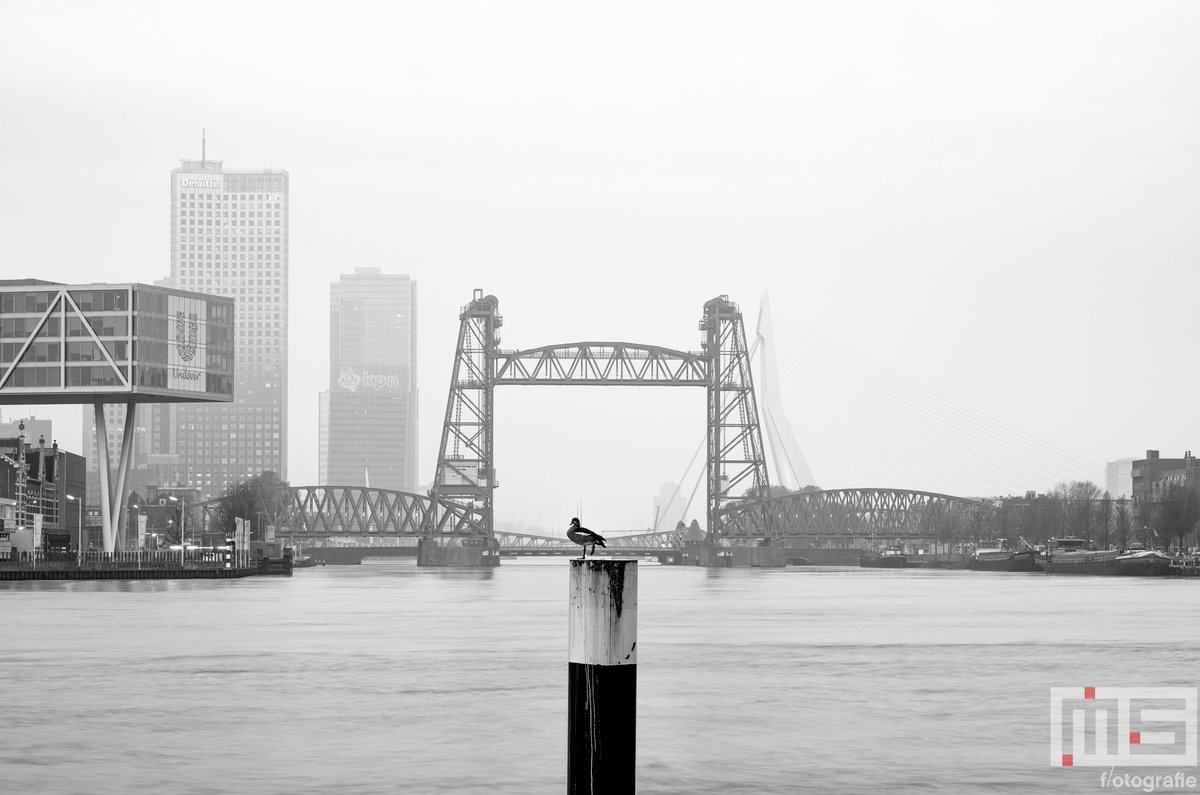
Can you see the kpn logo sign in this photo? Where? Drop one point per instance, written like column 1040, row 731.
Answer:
column 1123, row 726
column 352, row 380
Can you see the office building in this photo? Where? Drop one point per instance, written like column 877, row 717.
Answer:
column 229, row 237
column 1118, row 481
column 368, row 418
column 103, row 344
column 50, row 489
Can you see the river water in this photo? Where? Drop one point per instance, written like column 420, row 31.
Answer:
column 388, row 678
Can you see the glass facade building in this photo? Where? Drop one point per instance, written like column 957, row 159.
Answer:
column 229, row 237
column 368, row 418
column 116, row 343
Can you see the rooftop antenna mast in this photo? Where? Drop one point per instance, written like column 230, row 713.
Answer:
column 203, row 147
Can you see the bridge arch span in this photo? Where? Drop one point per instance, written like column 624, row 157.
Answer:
column 855, row 512
column 321, row 511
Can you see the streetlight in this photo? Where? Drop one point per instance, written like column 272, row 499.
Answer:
column 182, row 525
column 79, row 548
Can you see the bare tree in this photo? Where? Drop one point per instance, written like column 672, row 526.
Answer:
column 1081, row 507
column 947, row 527
column 248, row 499
column 1123, row 518
column 1146, row 513
column 1178, row 512
column 1104, row 516
column 173, row 529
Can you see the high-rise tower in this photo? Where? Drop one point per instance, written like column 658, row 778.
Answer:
column 229, row 237
column 368, row 427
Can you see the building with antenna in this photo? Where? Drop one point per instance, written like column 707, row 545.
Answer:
column 229, row 237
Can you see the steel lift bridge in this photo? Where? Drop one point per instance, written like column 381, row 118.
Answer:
column 739, row 510
column 736, row 465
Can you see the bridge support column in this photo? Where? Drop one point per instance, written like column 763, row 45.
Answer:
column 451, row 552
column 772, row 554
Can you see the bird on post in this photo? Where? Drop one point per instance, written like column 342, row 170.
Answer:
column 584, row 537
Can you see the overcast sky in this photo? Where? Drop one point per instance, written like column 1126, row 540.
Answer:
column 998, row 200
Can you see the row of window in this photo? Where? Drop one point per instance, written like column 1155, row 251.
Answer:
column 220, row 204
column 87, row 300
column 190, row 224
column 256, row 238
column 35, row 375
column 103, row 325
column 232, row 256
column 192, row 247
column 222, row 213
column 232, row 196
column 76, row 351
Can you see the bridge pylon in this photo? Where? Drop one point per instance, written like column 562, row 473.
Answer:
column 737, row 465
column 465, row 472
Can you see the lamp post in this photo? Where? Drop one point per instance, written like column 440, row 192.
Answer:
column 79, row 547
column 182, row 526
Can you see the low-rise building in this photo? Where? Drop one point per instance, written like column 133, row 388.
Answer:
column 1153, row 475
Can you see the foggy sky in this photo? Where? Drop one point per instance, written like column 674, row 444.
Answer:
column 997, row 200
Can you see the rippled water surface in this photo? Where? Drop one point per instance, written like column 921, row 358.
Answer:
column 389, row 678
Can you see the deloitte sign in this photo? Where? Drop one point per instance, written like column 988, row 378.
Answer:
column 194, row 181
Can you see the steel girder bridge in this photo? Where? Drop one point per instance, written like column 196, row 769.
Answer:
column 323, row 511
column 736, row 465
column 858, row 513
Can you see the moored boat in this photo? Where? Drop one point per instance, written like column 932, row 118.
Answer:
column 1000, row 559
column 1067, row 556
column 1144, row 563
column 1003, row 560
column 894, row 557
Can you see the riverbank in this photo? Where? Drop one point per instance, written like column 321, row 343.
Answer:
column 17, row 574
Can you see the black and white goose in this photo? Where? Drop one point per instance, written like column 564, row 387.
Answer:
column 584, row 537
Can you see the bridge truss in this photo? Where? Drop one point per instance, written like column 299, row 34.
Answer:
column 323, row 511
column 736, row 466
column 860, row 512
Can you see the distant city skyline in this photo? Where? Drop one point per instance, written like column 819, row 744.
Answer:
column 998, row 204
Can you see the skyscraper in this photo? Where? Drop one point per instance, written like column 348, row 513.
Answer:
column 229, row 237
column 368, row 425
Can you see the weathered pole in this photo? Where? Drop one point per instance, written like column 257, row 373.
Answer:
column 602, row 677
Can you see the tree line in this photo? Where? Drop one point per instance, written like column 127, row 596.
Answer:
column 1080, row 509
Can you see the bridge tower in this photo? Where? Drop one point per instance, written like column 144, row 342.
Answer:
column 735, row 449
column 465, row 472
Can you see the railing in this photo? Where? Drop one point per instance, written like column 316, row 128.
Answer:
column 123, row 560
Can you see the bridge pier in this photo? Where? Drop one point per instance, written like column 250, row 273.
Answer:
column 477, row 553
column 772, row 554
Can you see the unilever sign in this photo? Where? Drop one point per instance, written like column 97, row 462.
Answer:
column 352, row 380
column 187, row 360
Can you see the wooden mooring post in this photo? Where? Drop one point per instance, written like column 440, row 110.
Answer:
column 602, row 677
